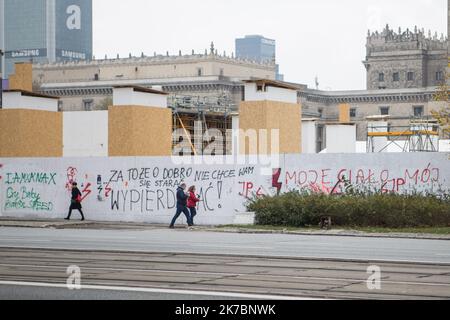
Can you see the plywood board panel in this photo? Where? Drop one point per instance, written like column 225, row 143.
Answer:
column 30, row 133
column 139, row 131
column 286, row 117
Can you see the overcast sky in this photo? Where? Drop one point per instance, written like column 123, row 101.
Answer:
column 321, row 37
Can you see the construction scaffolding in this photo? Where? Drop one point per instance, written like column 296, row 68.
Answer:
column 199, row 117
column 422, row 135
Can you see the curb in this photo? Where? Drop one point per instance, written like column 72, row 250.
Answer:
column 45, row 224
column 357, row 234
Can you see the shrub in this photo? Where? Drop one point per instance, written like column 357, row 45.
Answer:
column 296, row 209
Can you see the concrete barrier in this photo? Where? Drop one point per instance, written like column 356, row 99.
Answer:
column 142, row 189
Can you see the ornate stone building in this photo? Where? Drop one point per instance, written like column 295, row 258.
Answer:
column 409, row 59
column 399, row 106
column 87, row 85
column 403, row 72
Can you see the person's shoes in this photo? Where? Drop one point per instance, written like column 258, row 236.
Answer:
column 66, row 218
column 171, row 227
column 82, row 219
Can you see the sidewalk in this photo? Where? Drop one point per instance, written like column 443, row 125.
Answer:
column 76, row 224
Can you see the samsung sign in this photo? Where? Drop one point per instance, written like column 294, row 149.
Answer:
column 26, row 53
column 74, row 29
column 72, row 55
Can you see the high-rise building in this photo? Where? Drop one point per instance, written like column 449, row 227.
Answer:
column 257, row 48
column 45, row 31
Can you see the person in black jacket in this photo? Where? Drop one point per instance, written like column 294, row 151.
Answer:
column 75, row 201
column 182, row 198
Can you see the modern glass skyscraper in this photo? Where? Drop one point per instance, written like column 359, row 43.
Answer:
column 258, row 48
column 45, row 31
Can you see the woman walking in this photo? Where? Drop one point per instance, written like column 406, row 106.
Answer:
column 182, row 198
column 75, row 201
column 192, row 203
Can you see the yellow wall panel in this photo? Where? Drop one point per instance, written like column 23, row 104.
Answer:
column 286, row 117
column 344, row 113
column 30, row 133
column 22, row 79
column 139, row 131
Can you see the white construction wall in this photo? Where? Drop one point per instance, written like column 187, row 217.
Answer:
column 19, row 100
column 85, row 134
column 130, row 97
column 341, row 138
column 271, row 93
column 143, row 189
column 444, row 146
column 309, row 137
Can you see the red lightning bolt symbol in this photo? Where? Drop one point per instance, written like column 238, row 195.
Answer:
column 275, row 180
column 86, row 190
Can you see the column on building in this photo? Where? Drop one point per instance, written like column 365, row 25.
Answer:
column 31, row 125
column 139, row 123
column 270, row 119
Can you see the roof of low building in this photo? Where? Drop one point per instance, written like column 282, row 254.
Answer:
column 31, row 94
column 273, row 83
column 142, row 89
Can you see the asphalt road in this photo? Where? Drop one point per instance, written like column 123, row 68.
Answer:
column 43, row 273
column 268, row 245
column 181, row 265
column 27, row 292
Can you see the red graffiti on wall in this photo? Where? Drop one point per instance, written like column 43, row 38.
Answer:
column 320, row 188
column 321, row 180
column 71, row 174
column 108, row 190
column 86, row 191
column 249, row 190
column 247, row 187
column 71, row 178
column 276, row 183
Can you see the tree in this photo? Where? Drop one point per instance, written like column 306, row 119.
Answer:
column 443, row 115
column 105, row 103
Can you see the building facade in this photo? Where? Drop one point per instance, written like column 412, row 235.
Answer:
column 398, row 106
column 45, row 31
column 403, row 72
column 257, row 48
column 409, row 59
column 210, row 79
